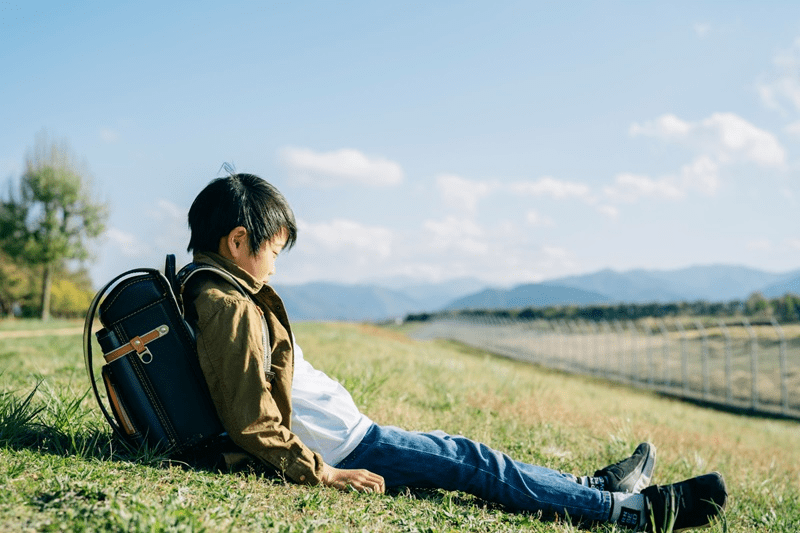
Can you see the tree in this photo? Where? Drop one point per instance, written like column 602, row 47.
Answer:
column 53, row 215
column 13, row 285
column 756, row 304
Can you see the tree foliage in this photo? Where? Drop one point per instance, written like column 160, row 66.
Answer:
column 52, row 216
column 14, row 285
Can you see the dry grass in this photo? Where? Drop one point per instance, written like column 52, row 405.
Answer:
column 77, row 479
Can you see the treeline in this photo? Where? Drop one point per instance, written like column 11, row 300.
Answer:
column 784, row 309
column 21, row 291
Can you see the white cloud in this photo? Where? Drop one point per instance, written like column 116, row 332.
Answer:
column 161, row 230
column 127, row 244
column 172, row 232
column 667, row 127
column 557, row 258
column 536, row 219
column 794, row 244
column 550, row 186
column 784, row 85
column 793, row 129
column 701, row 29
column 720, row 140
column 629, row 188
column 701, row 175
column 725, row 136
column 340, row 166
column 109, row 136
column 788, row 195
column 455, row 233
column 346, row 235
column 759, row 245
column 464, row 195
column 461, row 193
column 608, row 211
column 738, row 136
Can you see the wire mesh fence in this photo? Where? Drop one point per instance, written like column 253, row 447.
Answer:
column 742, row 364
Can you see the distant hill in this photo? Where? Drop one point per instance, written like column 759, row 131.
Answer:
column 331, row 301
column 431, row 296
column 790, row 284
column 397, row 297
column 633, row 286
column 530, row 295
column 713, row 283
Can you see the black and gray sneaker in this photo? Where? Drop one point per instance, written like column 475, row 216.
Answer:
column 629, row 475
column 686, row 505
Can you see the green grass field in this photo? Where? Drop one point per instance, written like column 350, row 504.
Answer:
column 60, row 470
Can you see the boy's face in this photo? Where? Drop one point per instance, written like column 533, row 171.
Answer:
column 260, row 265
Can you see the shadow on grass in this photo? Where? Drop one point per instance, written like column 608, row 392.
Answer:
column 58, row 425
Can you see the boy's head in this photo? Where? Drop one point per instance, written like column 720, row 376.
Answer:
column 239, row 200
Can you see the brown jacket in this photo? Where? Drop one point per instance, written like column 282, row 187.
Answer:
column 255, row 413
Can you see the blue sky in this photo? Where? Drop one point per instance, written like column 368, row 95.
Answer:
column 507, row 141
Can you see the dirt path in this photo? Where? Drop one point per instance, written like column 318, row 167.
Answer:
column 18, row 334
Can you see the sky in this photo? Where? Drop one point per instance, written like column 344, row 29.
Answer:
column 508, row 141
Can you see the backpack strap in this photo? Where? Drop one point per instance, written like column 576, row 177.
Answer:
column 191, row 269
column 170, row 273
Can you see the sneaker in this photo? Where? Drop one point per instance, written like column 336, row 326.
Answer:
column 632, row 474
column 686, row 505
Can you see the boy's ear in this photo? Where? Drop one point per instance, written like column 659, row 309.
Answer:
column 234, row 244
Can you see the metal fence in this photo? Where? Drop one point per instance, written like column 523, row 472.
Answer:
column 742, row 364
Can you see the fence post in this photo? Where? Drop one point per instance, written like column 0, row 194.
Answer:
column 728, row 362
column 586, row 357
column 574, row 344
column 565, row 344
column 753, row 362
column 620, row 349
column 594, row 366
column 559, row 338
column 605, row 328
column 648, row 349
column 784, row 385
column 665, row 334
column 634, row 377
column 684, row 358
column 704, row 357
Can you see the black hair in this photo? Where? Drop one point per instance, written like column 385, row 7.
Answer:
column 239, row 200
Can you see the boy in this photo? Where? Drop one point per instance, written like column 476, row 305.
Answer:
column 278, row 408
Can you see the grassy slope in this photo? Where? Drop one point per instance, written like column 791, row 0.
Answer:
column 66, row 474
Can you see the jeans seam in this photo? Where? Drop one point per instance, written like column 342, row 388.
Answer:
column 527, row 496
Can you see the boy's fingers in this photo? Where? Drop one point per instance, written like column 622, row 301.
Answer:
column 370, row 482
column 360, row 480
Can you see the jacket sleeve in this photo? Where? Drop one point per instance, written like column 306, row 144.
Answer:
column 230, row 350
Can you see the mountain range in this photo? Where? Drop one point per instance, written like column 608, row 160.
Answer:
column 397, row 297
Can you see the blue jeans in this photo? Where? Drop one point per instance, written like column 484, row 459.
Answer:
column 438, row 460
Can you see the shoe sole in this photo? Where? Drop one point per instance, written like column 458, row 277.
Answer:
column 645, row 474
column 647, row 471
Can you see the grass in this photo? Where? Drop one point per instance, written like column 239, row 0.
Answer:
column 60, row 470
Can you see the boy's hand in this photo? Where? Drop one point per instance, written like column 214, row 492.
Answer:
column 360, row 480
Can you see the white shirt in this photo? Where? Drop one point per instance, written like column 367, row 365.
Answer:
column 324, row 415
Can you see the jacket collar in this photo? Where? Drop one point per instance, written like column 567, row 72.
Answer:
column 242, row 276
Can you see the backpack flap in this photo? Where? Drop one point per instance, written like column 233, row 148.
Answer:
column 152, row 365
